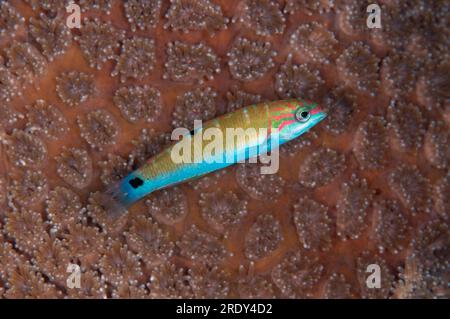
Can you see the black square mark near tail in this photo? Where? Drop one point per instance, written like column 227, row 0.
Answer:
column 136, row 182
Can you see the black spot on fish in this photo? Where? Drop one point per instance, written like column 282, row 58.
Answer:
column 136, row 182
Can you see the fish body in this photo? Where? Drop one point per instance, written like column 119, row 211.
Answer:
column 284, row 120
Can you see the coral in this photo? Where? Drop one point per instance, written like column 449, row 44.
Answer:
column 190, row 62
column 10, row 18
column 437, row 145
column 3, row 193
column 9, row 84
column 441, row 198
column 10, row 258
column 138, row 102
column 390, row 226
column 147, row 145
column 92, row 287
column 358, row 68
column 338, row 287
column 113, row 169
column 263, row 237
column 386, row 276
column 433, row 87
column 222, row 211
column 97, row 210
column 321, row 167
column 25, row 60
column 296, row 275
column 310, row 6
column 169, row 206
column 264, row 16
column 149, row 241
column 340, row 105
column 119, row 265
column 52, row 258
column 52, row 36
column 186, row 15
column 427, row 263
column 202, row 247
column 209, row 283
column 26, row 282
column 399, row 74
column 313, row 223
column 295, row 146
column 370, row 144
column 98, row 128
column 169, row 281
column 298, row 81
column 411, row 187
column 127, row 291
column 257, row 185
column 85, row 243
column 104, row 5
column 63, row 207
column 314, row 43
column 256, row 287
column 198, row 104
column 8, row 116
column 250, row 60
column 352, row 16
column 373, row 168
column 407, row 122
column 209, row 182
column 25, row 149
column 99, row 41
column 46, row 119
column 397, row 21
column 27, row 229
column 136, row 59
column 237, row 98
column 52, row 6
column 74, row 87
column 142, row 14
column 74, row 166
column 32, row 187
column 355, row 199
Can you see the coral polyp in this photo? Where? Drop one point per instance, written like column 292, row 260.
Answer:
column 188, row 62
column 74, row 166
column 263, row 237
column 74, row 87
column 314, row 42
column 295, row 81
column 98, row 128
column 52, row 35
column 142, row 14
column 99, row 42
column 136, row 59
column 47, row 120
column 25, row 149
column 187, row 15
column 138, row 102
column 265, row 15
column 358, row 68
column 250, row 60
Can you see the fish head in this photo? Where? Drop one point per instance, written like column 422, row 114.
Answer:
column 297, row 118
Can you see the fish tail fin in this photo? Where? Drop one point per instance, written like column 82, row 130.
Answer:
column 115, row 201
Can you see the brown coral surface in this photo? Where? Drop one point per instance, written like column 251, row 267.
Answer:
column 80, row 108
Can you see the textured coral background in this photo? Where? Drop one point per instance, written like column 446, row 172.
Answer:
column 80, row 108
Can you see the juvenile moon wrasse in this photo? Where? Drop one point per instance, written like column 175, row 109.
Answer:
column 282, row 120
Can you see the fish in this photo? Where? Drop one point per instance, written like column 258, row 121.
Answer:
column 282, row 121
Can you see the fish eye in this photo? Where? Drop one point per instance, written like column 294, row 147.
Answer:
column 302, row 116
